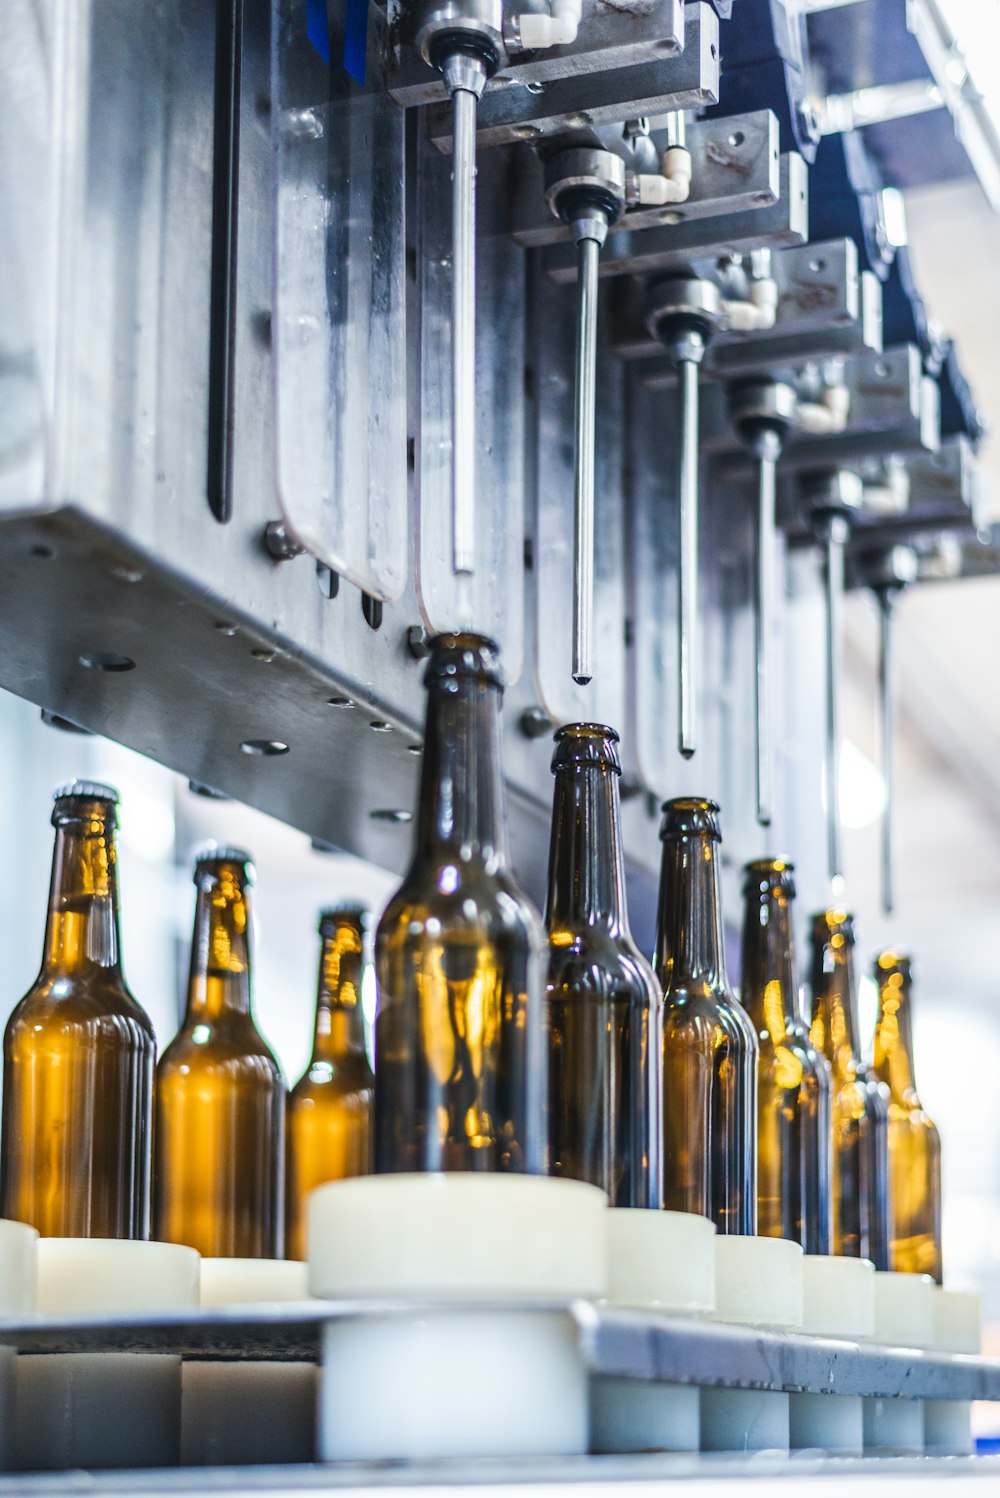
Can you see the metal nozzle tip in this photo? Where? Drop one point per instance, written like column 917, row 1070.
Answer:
column 582, row 681
column 687, row 752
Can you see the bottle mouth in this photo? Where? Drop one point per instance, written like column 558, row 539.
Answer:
column 337, row 915
column 84, row 801
column 690, row 816
column 769, row 873
column 586, row 744
column 889, row 962
column 211, row 859
column 463, row 657
column 833, row 923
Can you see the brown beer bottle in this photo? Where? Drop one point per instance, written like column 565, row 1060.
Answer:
column 709, row 1044
column 459, row 1030
column 220, row 1096
column 329, row 1109
column 914, row 1142
column 794, row 1138
column 860, row 1102
column 79, row 1052
column 603, row 998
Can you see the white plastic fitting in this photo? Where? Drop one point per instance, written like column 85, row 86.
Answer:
column 957, row 1329
column 671, row 185
column 839, row 1302
column 826, row 416
column 757, row 313
column 556, row 28
column 18, row 1286
column 904, row 1317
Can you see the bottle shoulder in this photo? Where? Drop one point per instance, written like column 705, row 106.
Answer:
column 454, row 896
column 708, row 1011
column 325, row 1082
column 596, row 960
column 232, row 1043
column 64, row 1003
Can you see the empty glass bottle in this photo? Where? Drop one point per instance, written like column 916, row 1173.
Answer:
column 79, row 1052
column 709, row 1044
column 914, row 1142
column 329, row 1108
column 603, row 998
column 794, row 1140
column 860, row 1102
column 459, row 1031
column 220, row 1096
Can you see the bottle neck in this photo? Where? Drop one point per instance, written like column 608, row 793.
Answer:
column 835, row 1005
column 340, row 1021
column 586, row 872
column 82, row 932
column 767, row 981
column 893, row 1055
column 461, row 791
column 220, row 980
column 689, row 942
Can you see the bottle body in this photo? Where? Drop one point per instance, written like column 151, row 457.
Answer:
column 220, row 1096
column 330, row 1107
column 459, row 1036
column 603, row 1010
column 860, row 1182
column 914, row 1142
column 709, row 1045
column 79, row 1053
column 794, row 1128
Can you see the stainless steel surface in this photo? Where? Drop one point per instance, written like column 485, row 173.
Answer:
column 767, row 457
column 687, row 583
column 583, row 465
column 508, row 114
column 734, row 167
column 608, row 39
column 833, row 531
column 886, row 600
column 463, row 330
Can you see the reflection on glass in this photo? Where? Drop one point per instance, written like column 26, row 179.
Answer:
column 603, row 998
column 794, row 1140
column 329, row 1108
column 220, row 1096
column 860, row 1102
column 79, row 1052
column 459, row 1029
column 914, row 1142
column 709, row 1044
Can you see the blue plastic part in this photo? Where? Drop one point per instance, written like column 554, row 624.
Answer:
column 763, row 52
column 318, row 27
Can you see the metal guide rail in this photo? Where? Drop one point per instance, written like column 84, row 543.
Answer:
column 630, row 1344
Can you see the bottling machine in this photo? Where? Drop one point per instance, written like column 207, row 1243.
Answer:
column 330, row 325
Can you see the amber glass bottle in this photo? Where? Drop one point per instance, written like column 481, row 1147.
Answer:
column 79, row 1052
column 914, row 1142
column 603, row 997
column 860, row 1102
column 329, row 1108
column 794, row 1141
column 459, row 1032
column 709, row 1044
column 220, row 1097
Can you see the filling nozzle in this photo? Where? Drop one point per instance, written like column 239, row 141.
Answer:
column 463, row 40
column 683, row 313
column 585, row 187
column 762, row 413
column 832, row 499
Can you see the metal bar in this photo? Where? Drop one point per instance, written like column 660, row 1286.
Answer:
column 763, row 622
column 583, row 463
column 463, row 331
column 225, row 223
column 687, row 587
column 834, row 539
column 886, row 599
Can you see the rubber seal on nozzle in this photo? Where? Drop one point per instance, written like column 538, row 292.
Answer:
column 690, row 816
column 586, row 744
column 463, row 657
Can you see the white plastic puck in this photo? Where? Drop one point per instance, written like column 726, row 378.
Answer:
column 958, row 1320
column 631, row 1414
column 96, row 1276
column 904, row 1309
column 838, row 1297
column 18, row 1268
column 661, row 1259
column 758, row 1282
column 240, row 1282
column 460, row 1237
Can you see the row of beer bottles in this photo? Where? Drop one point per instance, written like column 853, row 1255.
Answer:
column 650, row 1097
column 97, row 1138
column 661, row 1087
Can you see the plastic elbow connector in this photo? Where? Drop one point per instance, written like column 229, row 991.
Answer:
column 671, row 186
column 558, row 28
column 757, row 314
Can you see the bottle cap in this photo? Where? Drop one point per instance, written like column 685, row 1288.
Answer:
column 586, row 744
column 690, row 816
column 766, row 873
column 465, row 656
column 213, row 854
column 833, row 922
column 331, row 915
column 86, row 790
